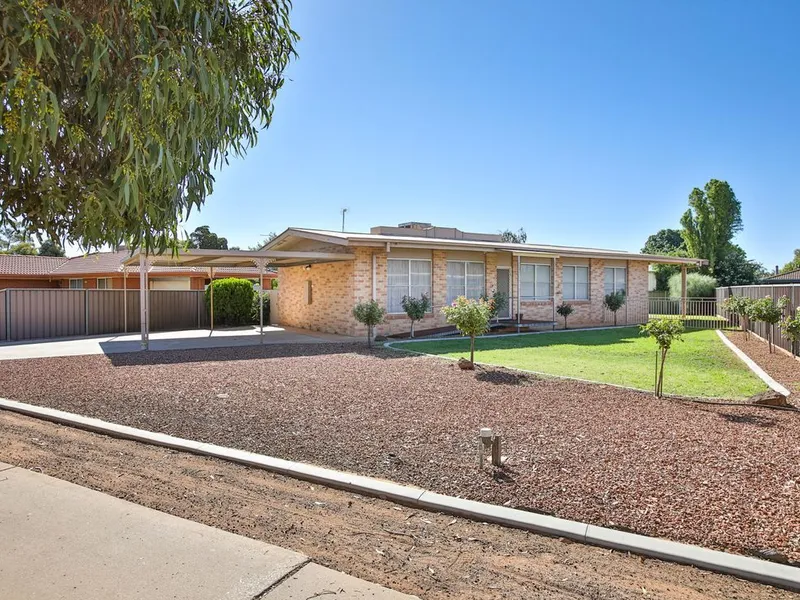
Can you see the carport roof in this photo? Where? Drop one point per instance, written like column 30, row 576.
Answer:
column 195, row 257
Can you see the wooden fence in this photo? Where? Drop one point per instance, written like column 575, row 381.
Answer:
column 791, row 291
column 29, row 314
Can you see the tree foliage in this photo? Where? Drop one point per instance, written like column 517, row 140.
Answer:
column 734, row 268
column 565, row 310
column 613, row 302
column 713, row 218
column 664, row 332
column 664, row 241
column 470, row 317
column 498, row 302
column 790, row 329
column 203, row 237
column 768, row 311
column 50, row 248
column 793, row 264
column 113, row 113
column 739, row 305
column 514, row 237
column 369, row 313
column 697, row 286
column 415, row 308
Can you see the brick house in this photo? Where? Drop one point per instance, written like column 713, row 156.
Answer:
column 104, row 270
column 444, row 263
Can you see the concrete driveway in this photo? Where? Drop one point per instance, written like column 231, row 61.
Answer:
column 166, row 340
column 62, row 541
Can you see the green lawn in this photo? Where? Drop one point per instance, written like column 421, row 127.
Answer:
column 701, row 365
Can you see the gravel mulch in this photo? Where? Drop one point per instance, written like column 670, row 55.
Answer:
column 726, row 477
column 781, row 367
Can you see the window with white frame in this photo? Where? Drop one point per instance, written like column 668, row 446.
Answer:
column 614, row 280
column 465, row 278
column 575, row 279
column 76, row 284
column 407, row 277
column 103, row 283
column 534, row 282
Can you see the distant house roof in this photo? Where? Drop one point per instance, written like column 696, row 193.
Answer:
column 787, row 277
column 101, row 263
column 23, row 264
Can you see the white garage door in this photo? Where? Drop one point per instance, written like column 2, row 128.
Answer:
column 170, row 283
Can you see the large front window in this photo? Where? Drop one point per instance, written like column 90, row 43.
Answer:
column 534, row 282
column 614, row 280
column 464, row 279
column 407, row 277
column 576, row 283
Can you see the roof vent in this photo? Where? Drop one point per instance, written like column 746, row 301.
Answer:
column 415, row 225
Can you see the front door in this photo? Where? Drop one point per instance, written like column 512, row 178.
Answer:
column 504, row 287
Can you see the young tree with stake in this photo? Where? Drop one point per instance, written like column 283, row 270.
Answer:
column 470, row 317
column 664, row 331
column 416, row 308
column 369, row 313
column 565, row 309
column 614, row 302
column 768, row 311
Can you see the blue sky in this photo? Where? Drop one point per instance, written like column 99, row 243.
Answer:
column 586, row 123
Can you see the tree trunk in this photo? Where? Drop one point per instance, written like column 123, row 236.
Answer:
column 472, row 349
column 369, row 336
column 615, row 318
column 412, row 328
column 565, row 322
column 661, row 374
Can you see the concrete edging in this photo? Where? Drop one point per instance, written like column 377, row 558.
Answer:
column 761, row 373
column 731, row 564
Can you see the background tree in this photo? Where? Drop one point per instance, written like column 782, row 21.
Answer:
column 793, row 264
column 665, row 332
column 768, row 311
column 203, row 237
column 734, row 268
column 369, row 313
column 565, row 309
column 667, row 242
column 114, row 114
column 518, row 237
column 415, row 308
column 713, row 218
column 471, row 318
column 270, row 236
column 50, row 248
column 697, row 286
column 613, row 302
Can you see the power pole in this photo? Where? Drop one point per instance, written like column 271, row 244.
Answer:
column 344, row 211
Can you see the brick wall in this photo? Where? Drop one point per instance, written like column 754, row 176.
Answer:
column 27, row 283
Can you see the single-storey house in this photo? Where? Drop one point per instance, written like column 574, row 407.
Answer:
column 104, row 270
column 783, row 278
column 443, row 263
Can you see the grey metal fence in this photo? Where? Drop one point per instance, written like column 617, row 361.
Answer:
column 28, row 314
column 791, row 291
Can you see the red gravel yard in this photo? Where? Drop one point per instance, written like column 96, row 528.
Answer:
column 726, row 477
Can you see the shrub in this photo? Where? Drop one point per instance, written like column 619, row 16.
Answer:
column 614, row 302
column 233, row 301
column 739, row 305
column 790, row 329
column 415, row 308
column 255, row 316
column 697, row 286
column 565, row 309
column 664, row 331
column 369, row 313
column 470, row 317
column 768, row 311
column 497, row 303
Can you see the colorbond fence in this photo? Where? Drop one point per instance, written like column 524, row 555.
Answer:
column 29, row 314
column 791, row 291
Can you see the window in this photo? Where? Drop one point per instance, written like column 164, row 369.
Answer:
column 465, row 279
column 103, row 283
column 535, row 282
column 76, row 284
column 407, row 277
column 576, row 283
column 614, row 280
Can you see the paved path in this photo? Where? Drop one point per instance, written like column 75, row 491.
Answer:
column 166, row 340
column 62, row 541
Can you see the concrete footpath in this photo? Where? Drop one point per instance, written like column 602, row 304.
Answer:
column 62, row 541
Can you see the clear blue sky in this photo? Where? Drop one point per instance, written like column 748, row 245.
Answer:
column 586, row 123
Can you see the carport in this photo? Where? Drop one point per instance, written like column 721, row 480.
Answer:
column 212, row 259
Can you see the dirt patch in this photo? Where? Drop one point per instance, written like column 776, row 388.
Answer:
column 718, row 476
column 781, row 367
column 431, row 555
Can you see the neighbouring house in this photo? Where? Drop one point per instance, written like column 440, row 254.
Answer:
column 104, row 270
column 444, row 263
column 783, row 278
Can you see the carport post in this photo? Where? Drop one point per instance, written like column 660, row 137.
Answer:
column 125, row 296
column 143, row 302
column 211, row 276
column 261, row 264
column 683, row 291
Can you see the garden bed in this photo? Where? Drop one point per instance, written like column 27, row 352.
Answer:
column 721, row 477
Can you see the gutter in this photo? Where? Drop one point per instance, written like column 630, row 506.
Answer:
column 731, row 564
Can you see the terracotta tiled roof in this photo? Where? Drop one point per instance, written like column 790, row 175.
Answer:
column 22, row 264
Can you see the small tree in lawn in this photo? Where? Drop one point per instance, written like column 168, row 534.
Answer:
column 613, row 302
column 416, row 308
column 769, row 312
column 470, row 317
column 790, row 329
column 664, row 331
column 370, row 313
column 740, row 305
column 565, row 309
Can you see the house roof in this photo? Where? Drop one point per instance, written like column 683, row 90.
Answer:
column 100, row 263
column 23, row 264
column 787, row 277
column 412, row 241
